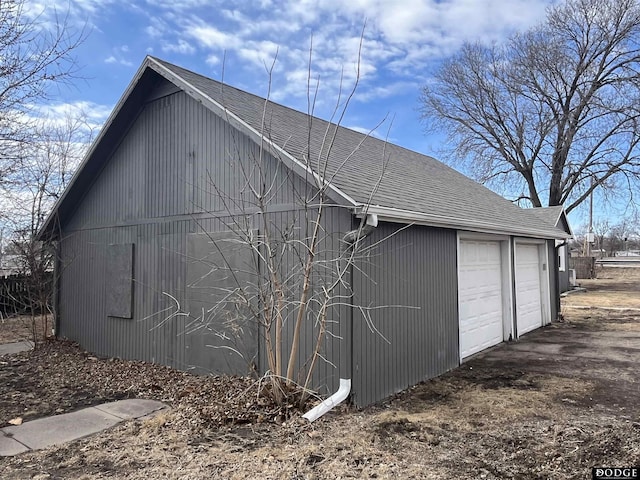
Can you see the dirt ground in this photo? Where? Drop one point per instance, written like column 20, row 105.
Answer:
column 20, row 328
column 553, row 405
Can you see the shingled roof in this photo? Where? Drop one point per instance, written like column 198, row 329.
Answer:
column 555, row 216
column 414, row 187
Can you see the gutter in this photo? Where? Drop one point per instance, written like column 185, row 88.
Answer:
column 406, row 216
column 350, row 239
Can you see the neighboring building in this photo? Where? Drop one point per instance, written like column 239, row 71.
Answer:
column 628, row 253
column 11, row 264
column 457, row 267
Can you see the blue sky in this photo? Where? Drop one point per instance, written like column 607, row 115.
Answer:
column 403, row 42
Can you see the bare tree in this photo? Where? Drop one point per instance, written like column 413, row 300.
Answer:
column 293, row 279
column 619, row 236
column 552, row 114
column 35, row 56
column 601, row 229
column 28, row 193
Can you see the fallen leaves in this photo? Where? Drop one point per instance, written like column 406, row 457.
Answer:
column 60, row 377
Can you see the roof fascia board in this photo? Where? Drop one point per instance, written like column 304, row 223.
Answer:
column 334, row 193
column 94, row 145
column 563, row 215
column 406, row 216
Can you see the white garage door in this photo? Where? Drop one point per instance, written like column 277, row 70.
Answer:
column 528, row 297
column 480, row 296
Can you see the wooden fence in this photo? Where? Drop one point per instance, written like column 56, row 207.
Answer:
column 20, row 293
column 584, row 266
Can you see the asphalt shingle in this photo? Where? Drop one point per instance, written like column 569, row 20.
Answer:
column 410, row 181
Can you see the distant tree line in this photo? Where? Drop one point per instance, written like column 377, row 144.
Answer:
column 610, row 239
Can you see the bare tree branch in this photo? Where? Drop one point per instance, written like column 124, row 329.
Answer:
column 551, row 108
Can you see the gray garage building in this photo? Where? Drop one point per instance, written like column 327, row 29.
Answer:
column 448, row 267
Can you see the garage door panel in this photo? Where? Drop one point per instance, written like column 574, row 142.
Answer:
column 480, row 296
column 528, row 288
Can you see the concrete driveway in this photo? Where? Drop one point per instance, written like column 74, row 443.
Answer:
column 599, row 346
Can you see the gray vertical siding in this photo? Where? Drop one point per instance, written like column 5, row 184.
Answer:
column 564, row 278
column 408, row 285
column 167, row 165
column 84, row 301
column 156, row 192
column 161, row 267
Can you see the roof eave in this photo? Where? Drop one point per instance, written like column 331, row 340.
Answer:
column 405, row 216
column 47, row 231
column 299, row 167
column 562, row 214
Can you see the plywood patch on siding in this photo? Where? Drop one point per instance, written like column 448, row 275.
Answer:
column 220, row 334
column 120, row 280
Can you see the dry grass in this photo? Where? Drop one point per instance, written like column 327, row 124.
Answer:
column 614, row 294
column 20, row 328
column 446, row 428
column 614, row 288
column 500, row 405
column 597, row 317
column 617, row 300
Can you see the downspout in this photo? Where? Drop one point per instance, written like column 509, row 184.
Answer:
column 346, row 330
column 514, row 303
column 57, row 246
column 557, row 277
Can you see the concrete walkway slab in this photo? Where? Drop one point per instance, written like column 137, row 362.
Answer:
column 57, row 429
column 10, row 447
column 15, row 347
column 43, row 432
column 133, row 408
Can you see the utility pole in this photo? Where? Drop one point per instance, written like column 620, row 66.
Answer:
column 590, row 237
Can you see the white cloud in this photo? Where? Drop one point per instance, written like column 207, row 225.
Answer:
column 178, row 6
column 182, row 47
column 210, row 37
column 113, row 60
column 308, row 11
column 94, row 113
column 366, row 131
column 212, row 60
column 386, row 90
column 399, row 39
column 260, row 53
column 79, row 15
column 445, row 23
column 157, row 28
